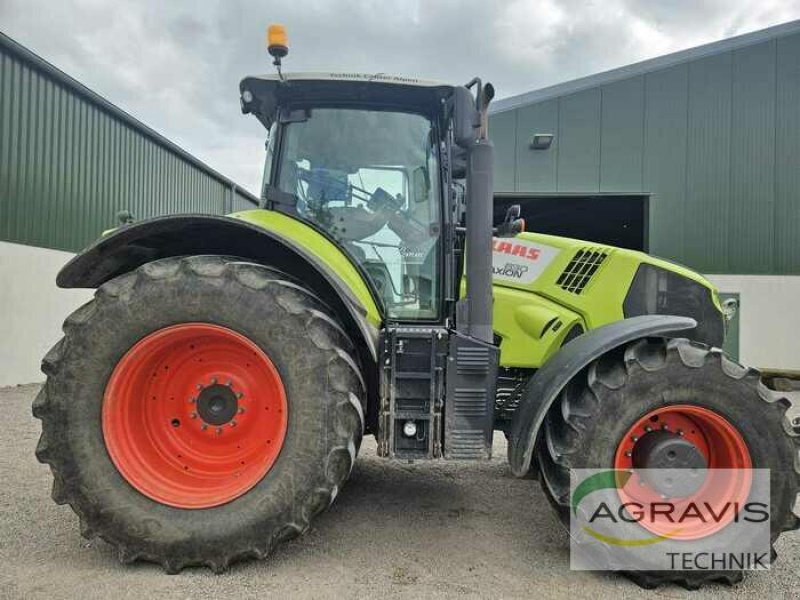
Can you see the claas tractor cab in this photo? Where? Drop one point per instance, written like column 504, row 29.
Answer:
column 211, row 399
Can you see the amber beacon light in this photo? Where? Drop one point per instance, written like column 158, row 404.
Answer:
column 277, row 42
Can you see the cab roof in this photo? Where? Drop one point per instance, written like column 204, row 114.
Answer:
column 263, row 94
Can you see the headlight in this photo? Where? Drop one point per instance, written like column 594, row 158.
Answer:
column 656, row 291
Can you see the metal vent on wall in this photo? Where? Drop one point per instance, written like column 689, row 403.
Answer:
column 581, row 269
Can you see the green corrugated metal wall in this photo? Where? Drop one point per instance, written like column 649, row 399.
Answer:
column 69, row 162
column 715, row 140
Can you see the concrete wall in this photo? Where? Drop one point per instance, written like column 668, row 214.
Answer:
column 769, row 319
column 32, row 309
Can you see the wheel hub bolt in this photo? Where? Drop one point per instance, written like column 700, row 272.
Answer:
column 233, row 423
column 219, row 430
column 192, row 400
column 635, row 438
column 204, row 426
column 193, row 415
column 241, row 410
column 648, row 429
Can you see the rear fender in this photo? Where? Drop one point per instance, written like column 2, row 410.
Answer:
column 183, row 235
column 545, row 385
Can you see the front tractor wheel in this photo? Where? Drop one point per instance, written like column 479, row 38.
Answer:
column 673, row 404
column 199, row 411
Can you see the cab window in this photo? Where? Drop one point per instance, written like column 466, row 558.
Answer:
column 369, row 179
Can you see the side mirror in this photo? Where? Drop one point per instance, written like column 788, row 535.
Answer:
column 512, row 224
column 466, row 118
column 421, row 184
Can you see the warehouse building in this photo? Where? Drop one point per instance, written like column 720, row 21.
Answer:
column 693, row 156
column 69, row 162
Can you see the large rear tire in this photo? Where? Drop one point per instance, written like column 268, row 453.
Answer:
column 590, row 424
column 199, row 411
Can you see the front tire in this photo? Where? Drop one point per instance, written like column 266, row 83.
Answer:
column 590, row 424
column 149, row 466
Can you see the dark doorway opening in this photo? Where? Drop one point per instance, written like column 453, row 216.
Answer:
column 616, row 219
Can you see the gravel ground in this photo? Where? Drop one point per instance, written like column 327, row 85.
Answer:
column 433, row 530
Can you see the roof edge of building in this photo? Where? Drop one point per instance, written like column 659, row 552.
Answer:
column 37, row 62
column 645, row 66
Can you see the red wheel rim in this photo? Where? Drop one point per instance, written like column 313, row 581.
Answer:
column 728, row 480
column 194, row 415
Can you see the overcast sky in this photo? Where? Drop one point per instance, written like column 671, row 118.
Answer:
column 176, row 65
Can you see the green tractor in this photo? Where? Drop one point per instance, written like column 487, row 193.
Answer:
column 211, row 399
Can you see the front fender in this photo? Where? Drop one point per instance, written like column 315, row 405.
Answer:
column 546, row 384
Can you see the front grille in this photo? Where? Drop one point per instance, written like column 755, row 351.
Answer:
column 581, row 269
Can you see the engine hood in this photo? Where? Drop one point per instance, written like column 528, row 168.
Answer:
column 591, row 279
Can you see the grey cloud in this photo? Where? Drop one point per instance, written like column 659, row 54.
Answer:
column 176, row 65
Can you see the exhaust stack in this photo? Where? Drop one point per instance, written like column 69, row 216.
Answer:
column 474, row 313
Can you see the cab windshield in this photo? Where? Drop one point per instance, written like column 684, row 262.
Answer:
column 370, row 180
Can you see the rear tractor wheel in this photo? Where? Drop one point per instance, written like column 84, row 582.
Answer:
column 674, row 404
column 199, row 411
